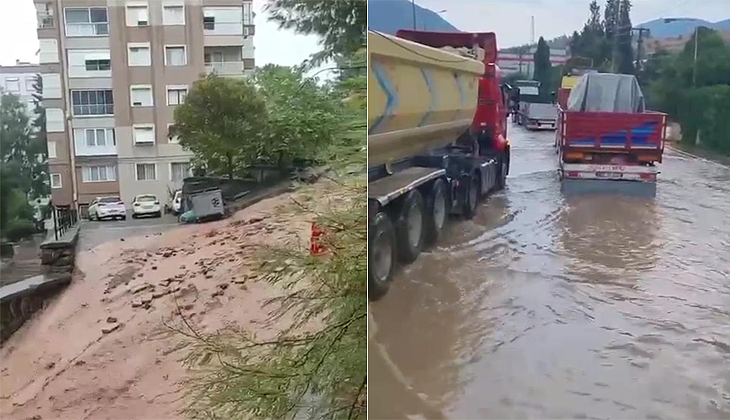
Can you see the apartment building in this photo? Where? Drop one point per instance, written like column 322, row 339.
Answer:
column 113, row 73
column 18, row 80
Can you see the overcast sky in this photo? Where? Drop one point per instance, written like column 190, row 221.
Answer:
column 18, row 38
column 510, row 19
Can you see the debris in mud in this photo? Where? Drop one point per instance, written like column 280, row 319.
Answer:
column 160, row 294
column 217, row 293
column 142, row 288
column 79, row 363
column 111, row 320
column 50, row 365
column 154, row 267
column 223, row 286
column 121, row 239
column 111, row 328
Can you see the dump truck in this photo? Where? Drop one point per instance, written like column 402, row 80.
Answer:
column 605, row 132
column 437, row 140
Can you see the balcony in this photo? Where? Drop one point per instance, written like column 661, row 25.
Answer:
column 226, row 68
column 224, row 61
column 45, row 21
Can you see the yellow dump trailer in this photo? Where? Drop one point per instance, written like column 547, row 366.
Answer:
column 419, row 97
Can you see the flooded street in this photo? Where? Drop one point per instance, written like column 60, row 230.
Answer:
column 547, row 306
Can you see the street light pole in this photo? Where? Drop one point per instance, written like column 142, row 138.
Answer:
column 694, row 64
column 413, row 4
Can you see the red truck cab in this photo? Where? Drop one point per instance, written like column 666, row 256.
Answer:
column 490, row 119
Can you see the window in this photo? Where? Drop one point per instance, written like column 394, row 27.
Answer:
column 92, row 102
column 91, row 21
column 12, row 84
column 52, row 149
column 144, row 134
column 146, row 172
column 54, row 120
column 173, row 14
column 55, row 180
column 179, row 171
column 98, row 65
column 99, row 137
column 170, row 137
column 44, row 15
column 247, row 16
column 48, row 52
column 141, row 95
column 51, row 85
column 29, row 81
column 137, row 14
column 176, row 95
column 139, row 54
column 209, row 22
column 175, row 56
column 101, row 173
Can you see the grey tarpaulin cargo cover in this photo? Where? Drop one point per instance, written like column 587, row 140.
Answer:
column 604, row 92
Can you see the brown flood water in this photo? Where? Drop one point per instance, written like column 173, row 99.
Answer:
column 547, row 306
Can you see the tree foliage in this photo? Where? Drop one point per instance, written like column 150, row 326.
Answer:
column 223, row 122
column 341, row 24
column 543, row 68
column 595, row 42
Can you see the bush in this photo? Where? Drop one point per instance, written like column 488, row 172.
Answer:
column 18, row 229
column 705, row 110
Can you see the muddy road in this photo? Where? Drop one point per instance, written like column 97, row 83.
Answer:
column 547, row 306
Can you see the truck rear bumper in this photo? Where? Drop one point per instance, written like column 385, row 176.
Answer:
column 583, row 171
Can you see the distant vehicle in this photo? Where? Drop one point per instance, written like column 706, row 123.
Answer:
column 532, row 111
column 107, row 208
column 177, row 202
column 146, row 205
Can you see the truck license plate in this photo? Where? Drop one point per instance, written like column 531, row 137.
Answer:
column 609, row 175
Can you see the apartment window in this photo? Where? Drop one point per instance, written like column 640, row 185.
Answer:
column 29, row 82
column 98, row 65
column 139, row 54
column 173, row 14
column 51, row 85
column 146, row 172
column 170, row 137
column 96, row 137
column 52, row 149
column 175, row 55
column 137, row 14
column 176, row 95
column 179, row 171
column 101, row 173
column 44, row 15
column 12, row 84
column 55, row 180
column 87, row 21
column 247, row 16
column 92, row 102
column 209, row 22
column 141, row 95
column 144, row 134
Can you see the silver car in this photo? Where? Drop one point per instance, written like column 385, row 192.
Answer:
column 107, row 208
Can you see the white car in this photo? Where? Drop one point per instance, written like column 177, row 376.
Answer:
column 107, row 208
column 146, row 205
column 177, row 202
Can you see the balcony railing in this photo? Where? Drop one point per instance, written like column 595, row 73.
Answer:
column 46, row 21
column 224, row 67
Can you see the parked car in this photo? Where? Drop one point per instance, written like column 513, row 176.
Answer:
column 146, row 205
column 177, row 202
column 107, row 208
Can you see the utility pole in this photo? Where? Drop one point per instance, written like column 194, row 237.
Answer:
column 639, row 45
column 413, row 4
column 694, row 64
column 532, row 30
column 614, row 49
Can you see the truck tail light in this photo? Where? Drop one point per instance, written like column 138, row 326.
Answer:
column 572, row 174
column 574, row 155
column 648, row 176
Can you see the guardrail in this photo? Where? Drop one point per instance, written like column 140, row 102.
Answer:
column 64, row 218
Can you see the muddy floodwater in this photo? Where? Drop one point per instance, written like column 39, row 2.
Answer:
column 548, row 306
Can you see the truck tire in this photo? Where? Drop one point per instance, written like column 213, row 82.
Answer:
column 437, row 209
column 471, row 196
column 381, row 255
column 409, row 228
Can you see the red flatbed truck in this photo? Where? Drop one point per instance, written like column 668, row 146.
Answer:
column 609, row 145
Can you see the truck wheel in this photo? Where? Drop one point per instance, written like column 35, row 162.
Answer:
column 409, row 229
column 471, row 196
column 381, row 255
column 437, row 207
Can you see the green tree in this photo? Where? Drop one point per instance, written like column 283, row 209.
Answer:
column 543, row 68
column 591, row 44
column 223, row 122
column 303, row 117
column 341, row 24
column 39, row 143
